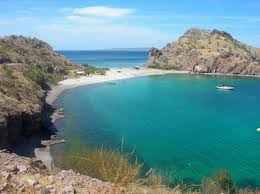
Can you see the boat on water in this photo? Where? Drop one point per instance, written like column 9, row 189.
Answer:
column 225, row 87
column 258, row 129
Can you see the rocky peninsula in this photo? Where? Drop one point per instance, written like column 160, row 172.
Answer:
column 207, row 51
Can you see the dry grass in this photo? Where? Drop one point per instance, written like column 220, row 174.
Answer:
column 105, row 164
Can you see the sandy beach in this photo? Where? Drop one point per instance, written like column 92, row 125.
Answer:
column 111, row 75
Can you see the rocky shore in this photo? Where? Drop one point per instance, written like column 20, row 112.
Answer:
column 27, row 175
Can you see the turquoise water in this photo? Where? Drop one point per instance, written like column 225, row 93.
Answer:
column 178, row 123
column 107, row 58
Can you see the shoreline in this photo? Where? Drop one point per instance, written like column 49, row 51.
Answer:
column 113, row 74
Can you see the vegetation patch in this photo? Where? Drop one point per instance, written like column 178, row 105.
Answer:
column 89, row 69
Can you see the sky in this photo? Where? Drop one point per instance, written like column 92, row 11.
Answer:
column 104, row 24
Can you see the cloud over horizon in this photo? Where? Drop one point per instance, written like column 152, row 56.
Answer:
column 103, row 11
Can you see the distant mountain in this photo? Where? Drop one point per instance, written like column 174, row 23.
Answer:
column 206, row 51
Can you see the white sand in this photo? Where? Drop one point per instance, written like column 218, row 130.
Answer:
column 111, row 75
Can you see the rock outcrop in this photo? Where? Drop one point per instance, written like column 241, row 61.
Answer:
column 204, row 51
column 26, row 175
column 27, row 67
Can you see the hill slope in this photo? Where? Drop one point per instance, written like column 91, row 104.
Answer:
column 27, row 66
column 205, row 51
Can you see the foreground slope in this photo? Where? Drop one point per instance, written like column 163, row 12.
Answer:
column 205, row 51
column 27, row 67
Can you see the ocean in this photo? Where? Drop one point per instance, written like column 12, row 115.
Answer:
column 107, row 58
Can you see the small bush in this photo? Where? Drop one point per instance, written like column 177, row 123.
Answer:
column 220, row 182
column 35, row 74
column 104, row 164
column 94, row 70
column 54, row 78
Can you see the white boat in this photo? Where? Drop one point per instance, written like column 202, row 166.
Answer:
column 225, row 87
column 258, row 129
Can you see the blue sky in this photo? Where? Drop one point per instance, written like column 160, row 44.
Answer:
column 96, row 24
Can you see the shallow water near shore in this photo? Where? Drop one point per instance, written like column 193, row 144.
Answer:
column 177, row 123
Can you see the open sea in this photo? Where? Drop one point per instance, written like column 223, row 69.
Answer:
column 107, row 58
column 177, row 123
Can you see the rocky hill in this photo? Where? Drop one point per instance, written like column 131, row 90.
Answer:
column 205, row 51
column 27, row 67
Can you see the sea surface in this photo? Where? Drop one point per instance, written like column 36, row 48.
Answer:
column 177, row 123
column 107, row 58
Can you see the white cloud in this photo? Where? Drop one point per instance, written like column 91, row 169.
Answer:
column 103, row 11
column 85, row 20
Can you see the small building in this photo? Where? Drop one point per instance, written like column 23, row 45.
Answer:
column 81, row 73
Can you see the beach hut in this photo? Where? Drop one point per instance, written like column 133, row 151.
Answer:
column 81, row 73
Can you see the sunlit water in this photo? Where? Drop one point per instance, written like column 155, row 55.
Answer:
column 177, row 123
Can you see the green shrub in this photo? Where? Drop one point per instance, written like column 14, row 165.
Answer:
column 53, row 78
column 34, row 73
column 94, row 70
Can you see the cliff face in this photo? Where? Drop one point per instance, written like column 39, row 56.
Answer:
column 205, row 51
column 27, row 66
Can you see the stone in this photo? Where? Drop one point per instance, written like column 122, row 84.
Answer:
column 11, row 168
column 4, row 173
column 69, row 190
column 7, row 177
column 51, row 181
column 21, row 183
column 22, row 168
column 52, row 191
column 38, row 188
column 85, row 192
column 32, row 182
column 49, row 187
